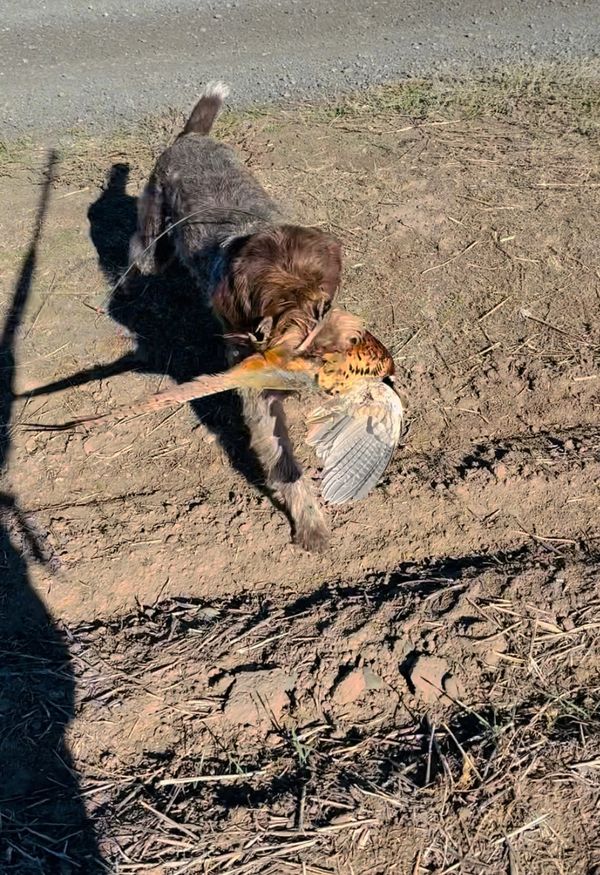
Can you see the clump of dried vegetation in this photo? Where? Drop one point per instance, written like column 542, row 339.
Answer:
column 545, row 95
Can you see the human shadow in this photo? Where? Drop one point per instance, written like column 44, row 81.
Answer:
column 43, row 824
column 168, row 315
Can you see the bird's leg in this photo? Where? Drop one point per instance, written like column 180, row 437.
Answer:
column 263, row 330
column 284, row 476
column 257, row 341
column 310, row 337
column 260, row 339
column 322, row 311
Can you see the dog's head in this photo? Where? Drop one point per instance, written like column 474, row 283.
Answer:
column 287, row 273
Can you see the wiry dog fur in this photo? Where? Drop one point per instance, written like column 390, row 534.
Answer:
column 263, row 276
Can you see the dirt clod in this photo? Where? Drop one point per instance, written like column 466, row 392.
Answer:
column 431, row 679
column 258, row 697
column 350, row 687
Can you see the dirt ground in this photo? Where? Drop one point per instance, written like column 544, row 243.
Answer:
column 182, row 688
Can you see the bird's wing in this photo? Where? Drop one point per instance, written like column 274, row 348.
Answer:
column 355, row 436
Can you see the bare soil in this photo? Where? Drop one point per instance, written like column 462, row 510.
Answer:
column 183, row 689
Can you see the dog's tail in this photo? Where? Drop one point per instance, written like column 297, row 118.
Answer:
column 207, row 109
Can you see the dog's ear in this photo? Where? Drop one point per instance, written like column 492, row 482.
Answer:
column 231, row 300
column 313, row 253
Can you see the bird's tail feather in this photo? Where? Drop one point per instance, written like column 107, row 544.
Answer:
column 269, row 371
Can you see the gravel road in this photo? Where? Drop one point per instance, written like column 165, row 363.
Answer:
column 99, row 63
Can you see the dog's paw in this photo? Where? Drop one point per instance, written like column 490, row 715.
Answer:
column 312, row 537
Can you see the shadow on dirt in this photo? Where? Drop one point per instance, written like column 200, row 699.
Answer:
column 357, row 759
column 44, row 827
column 175, row 333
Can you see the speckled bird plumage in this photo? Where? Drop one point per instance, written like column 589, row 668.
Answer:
column 360, row 419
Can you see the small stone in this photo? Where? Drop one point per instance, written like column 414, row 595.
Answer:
column 96, row 442
column 32, row 445
column 221, row 685
column 501, row 471
column 356, row 640
column 451, row 687
column 492, row 658
column 372, row 680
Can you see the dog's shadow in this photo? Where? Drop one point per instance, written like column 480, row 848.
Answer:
column 175, row 332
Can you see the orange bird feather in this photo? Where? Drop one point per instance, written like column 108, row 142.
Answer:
column 360, row 421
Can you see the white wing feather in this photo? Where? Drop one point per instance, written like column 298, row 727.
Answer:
column 355, row 436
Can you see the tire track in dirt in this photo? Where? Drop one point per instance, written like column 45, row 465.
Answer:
column 488, row 495
column 348, row 701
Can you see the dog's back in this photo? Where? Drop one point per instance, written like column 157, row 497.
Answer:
column 202, row 190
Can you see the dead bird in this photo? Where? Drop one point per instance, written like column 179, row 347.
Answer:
column 359, row 422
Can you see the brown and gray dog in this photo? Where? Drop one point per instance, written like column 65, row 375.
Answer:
column 265, row 278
